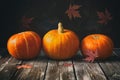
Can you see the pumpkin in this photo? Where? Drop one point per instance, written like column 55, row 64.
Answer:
column 96, row 46
column 60, row 43
column 24, row 45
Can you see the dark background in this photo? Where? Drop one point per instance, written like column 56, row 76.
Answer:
column 47, row 13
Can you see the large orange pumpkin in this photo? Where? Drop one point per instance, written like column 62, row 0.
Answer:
column 60, row 43
column 96, row 46
column 24, row 45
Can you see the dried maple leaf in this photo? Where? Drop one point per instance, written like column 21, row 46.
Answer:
column 104, row 17
column 24, row 66
column 73, row 12
column 26, row 21
column 91, row 55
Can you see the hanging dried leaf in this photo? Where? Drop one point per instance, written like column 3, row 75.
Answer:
column 73, row 12
column 26, row 21
column 104, row 17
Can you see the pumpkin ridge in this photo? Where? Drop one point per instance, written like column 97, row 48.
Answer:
column 75, row 40
column 35, row 39
column 17, row 53
column 56, row 47
column 26, row 42
column 62, row 40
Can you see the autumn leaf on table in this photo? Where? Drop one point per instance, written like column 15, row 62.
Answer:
column 67, row 64
column 25, row 66
column 104, row 17
column 73, row 12
column 26, row 21
column 91, row 55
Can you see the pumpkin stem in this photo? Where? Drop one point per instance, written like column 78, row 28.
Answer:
column 60, row 28
column 96, row 37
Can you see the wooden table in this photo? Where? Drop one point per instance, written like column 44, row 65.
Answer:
column 43, row 68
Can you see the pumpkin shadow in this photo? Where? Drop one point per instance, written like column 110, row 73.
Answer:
column 69, row 59
column 109, row 59
column 80, row 58
column 4, row 53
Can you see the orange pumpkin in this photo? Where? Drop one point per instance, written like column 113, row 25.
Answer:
column 24, row 45
column 96, row 46
column 60, row 43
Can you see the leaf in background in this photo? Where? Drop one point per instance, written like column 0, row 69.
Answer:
column 104, row 17
column 26, row 21
column 73, row 12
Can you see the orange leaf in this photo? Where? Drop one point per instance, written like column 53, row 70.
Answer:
column 73, row 12
column 24, row 66
column 104, row 17
column 75, row 7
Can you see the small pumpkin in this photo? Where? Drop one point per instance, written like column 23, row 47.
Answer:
column 24, row 45
column 60, row 43
column 96, row 46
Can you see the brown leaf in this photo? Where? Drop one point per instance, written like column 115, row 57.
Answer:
column 75, row 7
column 76, row 14
column 108, row 14
column 24, row 66
column 91, row 55
column 26, row 21
column 73, row 12
column 104, row 17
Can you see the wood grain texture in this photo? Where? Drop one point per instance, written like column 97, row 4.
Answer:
column 87, row 71
column 43, row 68
column 62, row 70
column 111, row 67
column 8, row 68
column 36, row 72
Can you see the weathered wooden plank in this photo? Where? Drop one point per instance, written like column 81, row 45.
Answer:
column 111, row 67
column 66, row 70
column 4, row 56
column 111, row 70
column 36, row 72
column 8, row 68
column 22, row 73
column 52, row 72
column 3, row 60
column 87, row 71
column 60, row 70
column 116, row 52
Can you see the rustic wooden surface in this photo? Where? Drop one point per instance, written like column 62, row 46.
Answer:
column 75, row 68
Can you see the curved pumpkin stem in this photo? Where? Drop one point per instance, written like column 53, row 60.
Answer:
column 60, row 28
